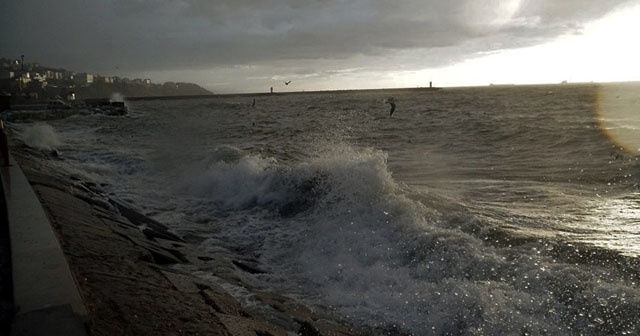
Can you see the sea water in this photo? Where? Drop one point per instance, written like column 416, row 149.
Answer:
column 469, row 211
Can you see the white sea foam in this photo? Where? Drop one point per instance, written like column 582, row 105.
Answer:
column 237, row 184
column 40, row 136
column 342, row 176
column 361, row 245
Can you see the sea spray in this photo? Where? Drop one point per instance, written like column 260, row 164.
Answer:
column 40, row 136
column 343, row 176
column 370, row 251
column 235, row 185
column 116, row 97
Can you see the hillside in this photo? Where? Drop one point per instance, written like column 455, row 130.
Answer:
column 105, row 90
column 34, row 81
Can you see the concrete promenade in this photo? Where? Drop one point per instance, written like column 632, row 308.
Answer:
column 46, row 297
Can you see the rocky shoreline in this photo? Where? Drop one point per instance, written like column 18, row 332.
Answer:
column 136, row 277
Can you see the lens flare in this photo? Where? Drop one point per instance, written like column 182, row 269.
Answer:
column 618, row 109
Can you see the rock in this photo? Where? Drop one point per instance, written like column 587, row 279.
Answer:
column 137, row 278
column 248, row 266
column 155, row 229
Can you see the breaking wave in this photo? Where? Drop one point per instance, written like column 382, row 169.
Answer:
column 342, row 177
column 40, row 136
column 375, row 251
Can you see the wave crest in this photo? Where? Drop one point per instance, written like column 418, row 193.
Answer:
column 344, row 176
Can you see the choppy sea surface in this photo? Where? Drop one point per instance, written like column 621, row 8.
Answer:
column 470, row 211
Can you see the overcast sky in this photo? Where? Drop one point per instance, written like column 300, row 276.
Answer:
column 251, row 45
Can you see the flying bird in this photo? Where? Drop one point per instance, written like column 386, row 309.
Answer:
column 287, row 83
column 391, row 101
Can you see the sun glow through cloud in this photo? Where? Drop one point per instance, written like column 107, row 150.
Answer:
column 600, row 51
column 605, row 51
column 488, row 12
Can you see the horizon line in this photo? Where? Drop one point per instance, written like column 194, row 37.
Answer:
column 420, row 88
column 426, row 88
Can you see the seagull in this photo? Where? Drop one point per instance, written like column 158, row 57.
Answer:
column 391, row 101
column 287, row 83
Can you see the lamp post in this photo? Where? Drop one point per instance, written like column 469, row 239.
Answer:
column 21, row 73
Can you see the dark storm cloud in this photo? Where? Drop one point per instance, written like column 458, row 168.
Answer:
column 123, row 35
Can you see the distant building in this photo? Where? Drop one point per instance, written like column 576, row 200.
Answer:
column 103, row 79
column 38, row 77
column 83, row 78
column 24, row 78
column 6, row 74
column 66, row 74
column 54, row 75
